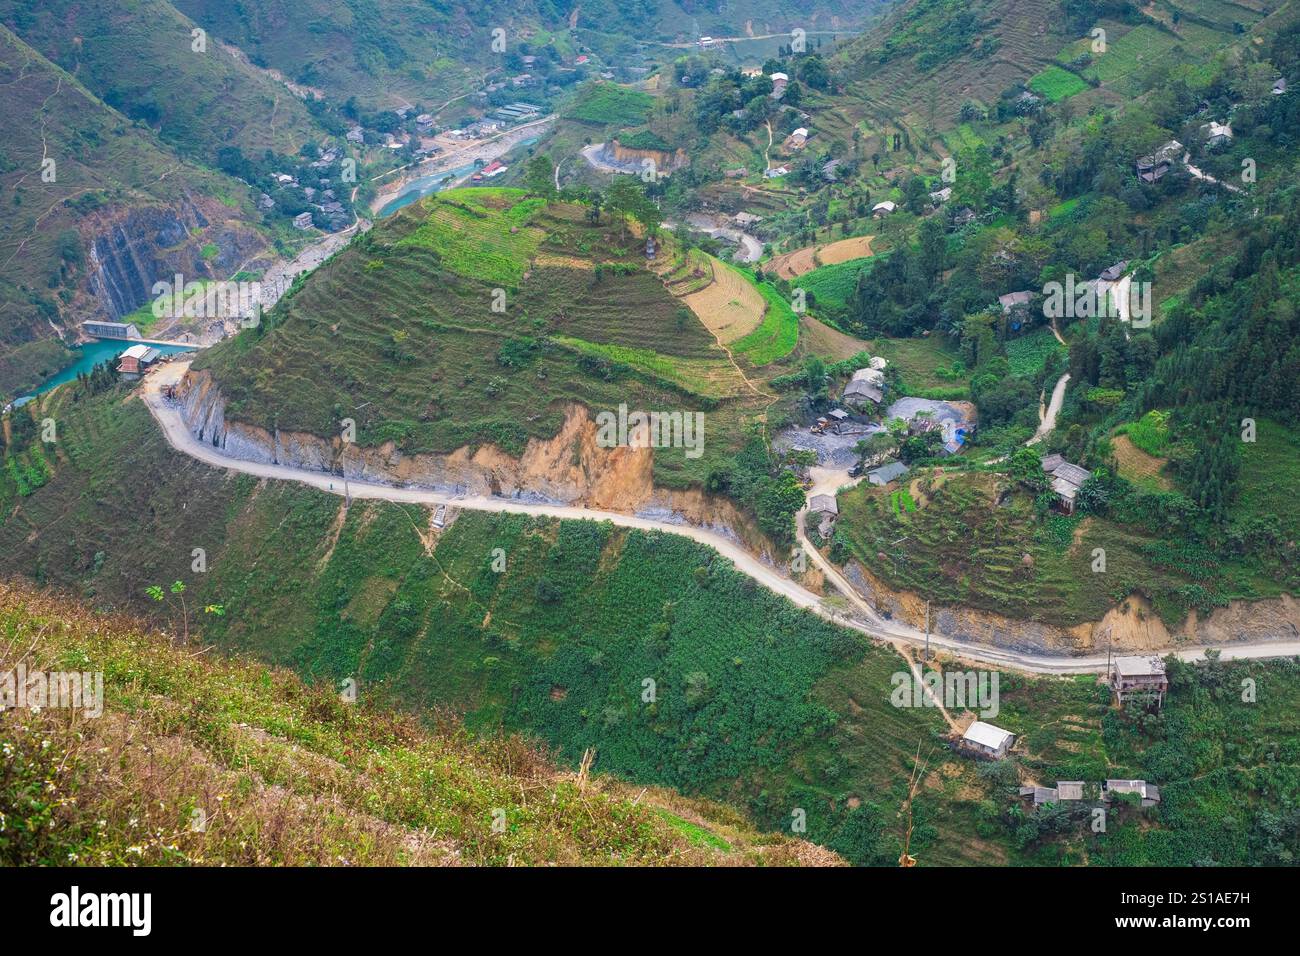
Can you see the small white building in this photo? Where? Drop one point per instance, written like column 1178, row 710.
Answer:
column 882, row 209
column 986, row 740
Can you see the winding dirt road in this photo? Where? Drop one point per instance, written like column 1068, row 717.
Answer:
column 866, row 620
column 1048, row 421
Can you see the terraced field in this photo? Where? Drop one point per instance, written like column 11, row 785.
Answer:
column 729, row 306
column 1132, row 52
column 1057, row 84
column 776, row 337
column 479, row 316
column 791, row 265
column 480, row 233
column 904, row 91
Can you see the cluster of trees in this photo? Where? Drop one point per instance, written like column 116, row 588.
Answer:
column 754, row 479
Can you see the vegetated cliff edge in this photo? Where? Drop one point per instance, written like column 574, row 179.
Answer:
column 567, row 469
column 1132, row 625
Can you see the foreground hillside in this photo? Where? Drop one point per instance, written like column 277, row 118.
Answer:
column 196, row 760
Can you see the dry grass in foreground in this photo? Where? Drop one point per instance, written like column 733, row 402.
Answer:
column 210, row 761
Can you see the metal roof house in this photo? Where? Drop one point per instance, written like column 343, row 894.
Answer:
column 136, row 360
column 823, row 504
column 866, row 385
column 886, row 473
column 1015, row 300
column 986, row 740
column 1153, row 167
column 1216, row 134
column 882, row 209
column 1114, row 272
column 1067, row 479
column 1148, row 792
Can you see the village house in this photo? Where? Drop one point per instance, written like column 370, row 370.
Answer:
column 1067, row 479
column 137, row 360
column 798, row 139
column 986, row 740
column 866, row 385
column 955, row 421
column 1073, row 791
column 838, row 417
column 776, row 172
column 1015, row 306
column 302, row 221
column 779, row 81
column 1140, row 678
column 1113, row 273
column 830, row 170
column 941, row 196
column 1065, row 791
column 882, row 209
column 963, row 217
column 1152, row 168
column 746, row 219
column 886, row 473
column 825, row 508
column 1216, row 134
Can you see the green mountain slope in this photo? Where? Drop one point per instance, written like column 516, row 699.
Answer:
column 479, row 316
column 139, row 59
column 386, row 52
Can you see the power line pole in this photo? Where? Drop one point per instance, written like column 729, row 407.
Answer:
column 927, row 630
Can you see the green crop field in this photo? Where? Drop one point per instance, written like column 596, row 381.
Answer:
column 961, row 550
column 1057, row 84
column 608, row 104
column 775, row 337
column 1028, row 352
column 833, row 286
column 1132, row 53
column 480, row 233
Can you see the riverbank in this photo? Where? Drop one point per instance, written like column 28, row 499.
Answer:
column 414, row 182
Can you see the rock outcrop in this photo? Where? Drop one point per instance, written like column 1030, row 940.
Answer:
column 567, row 469
column 1130, row 626
column 130, row 249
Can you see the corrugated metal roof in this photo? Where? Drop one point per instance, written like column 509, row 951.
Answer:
column 825, row 503
column 986, row 735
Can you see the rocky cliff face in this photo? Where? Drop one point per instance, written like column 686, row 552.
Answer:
column 568, row 469
column 1131, row 626
column 130, row 249
column 664, row 159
